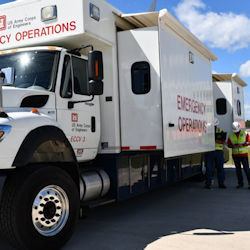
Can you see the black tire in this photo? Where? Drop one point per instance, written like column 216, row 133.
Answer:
column 19, row 193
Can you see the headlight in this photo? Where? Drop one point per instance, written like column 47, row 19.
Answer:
column 4, row 130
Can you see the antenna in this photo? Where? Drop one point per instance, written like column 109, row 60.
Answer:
column 152, row 7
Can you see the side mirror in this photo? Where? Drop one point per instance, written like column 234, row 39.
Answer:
column 95, row 87
column 95, row 64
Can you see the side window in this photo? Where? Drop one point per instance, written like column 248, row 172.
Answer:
column 238, row 108
column 238, row 90
column 80, row 72
column 66, row 81
column 221, row 106
column 140, row 74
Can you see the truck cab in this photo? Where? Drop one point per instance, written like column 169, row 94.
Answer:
column 55, row 82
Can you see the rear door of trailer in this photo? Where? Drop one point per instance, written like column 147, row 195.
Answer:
column 222, row 93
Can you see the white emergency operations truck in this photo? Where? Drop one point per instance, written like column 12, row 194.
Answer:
column 228, row 95
column 96, row 106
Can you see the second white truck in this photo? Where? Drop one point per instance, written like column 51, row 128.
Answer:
column 228, row 92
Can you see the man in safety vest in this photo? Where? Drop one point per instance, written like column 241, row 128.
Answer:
column 216, row 158
column 239, row 141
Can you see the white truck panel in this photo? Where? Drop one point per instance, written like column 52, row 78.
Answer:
column 22, row 26
column 76, row 122
column 224, row 90
column 109, row 104
column 187, row 100
column 105, row 28
column 141, row 117
column 238, row 101
column 13, row 97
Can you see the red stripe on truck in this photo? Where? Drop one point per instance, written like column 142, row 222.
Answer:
column 125, row 148
column 147, row 147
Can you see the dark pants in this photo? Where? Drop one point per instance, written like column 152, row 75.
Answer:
column 214, row 159
column 244, row 161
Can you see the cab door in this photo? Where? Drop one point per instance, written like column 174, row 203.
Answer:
column 77, row 113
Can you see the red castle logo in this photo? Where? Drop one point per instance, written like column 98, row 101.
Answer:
column 2, row 22
column 74, row 117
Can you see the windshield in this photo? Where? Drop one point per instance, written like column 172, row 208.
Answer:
column 33, row 69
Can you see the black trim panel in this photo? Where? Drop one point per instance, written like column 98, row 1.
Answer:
column 34, row 101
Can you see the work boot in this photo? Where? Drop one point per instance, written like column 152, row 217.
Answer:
column 222, row 186
column 239, row 186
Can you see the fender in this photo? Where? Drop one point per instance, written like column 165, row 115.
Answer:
column 48, row 145
column 45, row 144
column 21, row 123
column 36, row 139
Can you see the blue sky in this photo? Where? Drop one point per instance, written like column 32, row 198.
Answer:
column 222, row 25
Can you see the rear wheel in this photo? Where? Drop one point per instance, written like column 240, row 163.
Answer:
column 40, row 208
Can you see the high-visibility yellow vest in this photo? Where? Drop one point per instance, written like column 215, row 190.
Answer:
column 241, row 139
column 218, row 146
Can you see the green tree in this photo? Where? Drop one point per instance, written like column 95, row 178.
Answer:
column 248, row 123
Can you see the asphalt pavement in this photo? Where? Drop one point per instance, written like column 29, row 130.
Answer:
column 182, row 216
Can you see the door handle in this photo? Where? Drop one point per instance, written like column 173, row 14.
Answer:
column 93, row 126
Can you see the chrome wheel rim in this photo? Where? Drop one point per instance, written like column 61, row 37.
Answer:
column 50, row 210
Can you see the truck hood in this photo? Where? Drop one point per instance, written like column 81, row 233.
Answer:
column 26, row 98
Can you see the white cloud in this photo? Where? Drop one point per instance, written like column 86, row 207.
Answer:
column 220, row 30
column 245, row 69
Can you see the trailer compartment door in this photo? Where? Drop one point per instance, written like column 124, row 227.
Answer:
column 186, row 92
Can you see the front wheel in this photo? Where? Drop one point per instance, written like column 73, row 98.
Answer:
column 40, row 208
